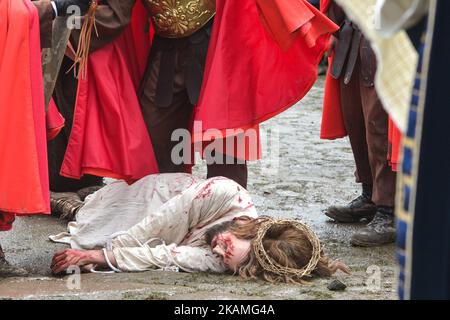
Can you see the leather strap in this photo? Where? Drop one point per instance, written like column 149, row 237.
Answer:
column 342, row 49
column 353, row 57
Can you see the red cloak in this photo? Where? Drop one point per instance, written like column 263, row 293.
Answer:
column 262, row 59
column 109, row 137
column 332, row 119
column 54, row 121
column 24, row 186
column 251, row 74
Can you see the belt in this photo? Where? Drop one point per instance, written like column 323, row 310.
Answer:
column 347, row 51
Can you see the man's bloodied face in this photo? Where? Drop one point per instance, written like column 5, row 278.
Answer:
column 232, row 250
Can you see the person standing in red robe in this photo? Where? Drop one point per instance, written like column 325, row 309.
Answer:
column 227, row 64
column 23, row 167
column 353, row 107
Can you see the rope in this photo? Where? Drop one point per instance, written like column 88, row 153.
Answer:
column 84, row 42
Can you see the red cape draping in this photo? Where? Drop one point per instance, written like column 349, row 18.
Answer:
column 24, row 187
column 109, row 137
column 37, row 91
column 332, row 119
column 54, row 121
column 262, row 59
column 333, row 126
column 324, row 5
column 249, row 78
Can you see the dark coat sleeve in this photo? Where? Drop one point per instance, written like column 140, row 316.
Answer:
column 46, row 15
column 111, row 18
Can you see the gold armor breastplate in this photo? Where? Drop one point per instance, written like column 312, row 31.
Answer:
column 180, row 18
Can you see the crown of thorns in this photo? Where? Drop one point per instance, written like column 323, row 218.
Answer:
column 269, row 264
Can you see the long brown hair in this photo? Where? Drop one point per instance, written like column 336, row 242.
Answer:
column 286, row 245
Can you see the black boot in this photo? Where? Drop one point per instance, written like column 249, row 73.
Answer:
column 7, row 270
column 380, row 231
column 360, row 208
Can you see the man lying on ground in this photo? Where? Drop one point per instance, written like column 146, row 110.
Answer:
column 182, row 222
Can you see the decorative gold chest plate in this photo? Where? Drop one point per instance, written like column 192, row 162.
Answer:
column 180, row 18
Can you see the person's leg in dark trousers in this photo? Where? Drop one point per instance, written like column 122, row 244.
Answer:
column 376, row 119
column 381, row 229
column 367, row 125
column 352, row 111
column 231, row 168
column 163, row 121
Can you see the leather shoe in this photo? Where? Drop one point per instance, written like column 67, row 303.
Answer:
column 380, row 231
column 360, row 208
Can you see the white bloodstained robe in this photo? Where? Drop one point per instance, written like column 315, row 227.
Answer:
column 159, row 221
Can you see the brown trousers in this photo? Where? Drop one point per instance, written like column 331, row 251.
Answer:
column 367, row 125
column 163, row 121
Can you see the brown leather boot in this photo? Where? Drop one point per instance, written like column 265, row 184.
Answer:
column 360, row 208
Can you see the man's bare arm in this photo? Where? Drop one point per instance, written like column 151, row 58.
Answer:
column 67, row 258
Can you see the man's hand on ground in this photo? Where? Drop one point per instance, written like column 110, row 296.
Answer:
column 65, row 259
